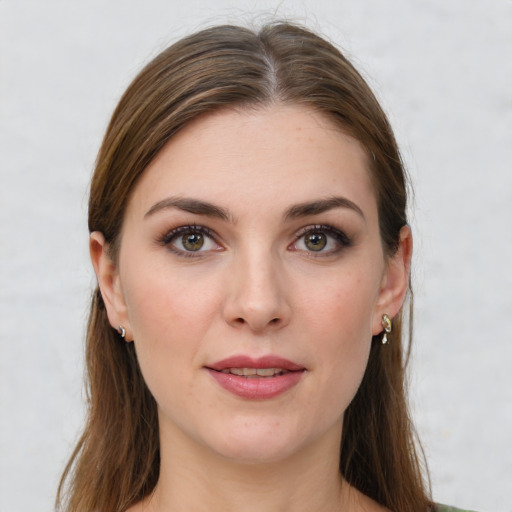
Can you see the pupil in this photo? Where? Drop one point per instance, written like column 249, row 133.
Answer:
column 193, row 241
column 316, row 241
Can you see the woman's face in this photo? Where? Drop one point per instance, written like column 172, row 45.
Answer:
column 251, row 278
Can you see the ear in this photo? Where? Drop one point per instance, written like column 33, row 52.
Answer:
column 109, row 282
column 395, row 281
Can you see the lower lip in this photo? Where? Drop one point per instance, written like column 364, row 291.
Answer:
column 257, row 388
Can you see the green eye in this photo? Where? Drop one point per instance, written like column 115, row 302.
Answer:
column 192, row 241
column 315, row 241
column 321, row 240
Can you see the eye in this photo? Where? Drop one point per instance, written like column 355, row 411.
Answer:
column 187, row 240
column 192, row 241
column 315, row 241
column 323, row 240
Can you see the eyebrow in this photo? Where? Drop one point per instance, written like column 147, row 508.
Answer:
column 194, row 206
column 321, row 206
column 199, row 207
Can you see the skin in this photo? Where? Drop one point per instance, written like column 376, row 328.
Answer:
column 255, row 287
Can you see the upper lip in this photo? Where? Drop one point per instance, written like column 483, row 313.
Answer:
column 243, row 361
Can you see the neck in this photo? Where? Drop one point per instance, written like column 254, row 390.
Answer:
column 194, row 478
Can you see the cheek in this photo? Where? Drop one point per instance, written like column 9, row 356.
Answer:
column 167, row 304
column 342, row 306
column 169, row 316
column 341, row 319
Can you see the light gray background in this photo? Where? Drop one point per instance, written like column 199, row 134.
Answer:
column 443, row 71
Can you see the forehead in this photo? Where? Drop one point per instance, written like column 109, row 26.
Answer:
column 273, row 156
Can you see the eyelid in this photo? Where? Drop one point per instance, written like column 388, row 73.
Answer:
column 169, row 236
column 174, row 232
column 341, row 238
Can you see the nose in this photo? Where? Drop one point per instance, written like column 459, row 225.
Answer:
column 256, row 295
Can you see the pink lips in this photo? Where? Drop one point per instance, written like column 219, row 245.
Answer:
column 256, row 387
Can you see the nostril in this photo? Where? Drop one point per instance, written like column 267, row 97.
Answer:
column 241, row 321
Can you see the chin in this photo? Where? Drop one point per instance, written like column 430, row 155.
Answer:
column 256, row 442
column 257, row 452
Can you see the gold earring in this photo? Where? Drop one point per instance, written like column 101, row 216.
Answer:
column 386, row 325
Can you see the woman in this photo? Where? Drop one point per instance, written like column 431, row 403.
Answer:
column 249, row 236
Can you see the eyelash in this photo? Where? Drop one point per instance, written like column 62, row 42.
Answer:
column 343, row 241
column 172, row 235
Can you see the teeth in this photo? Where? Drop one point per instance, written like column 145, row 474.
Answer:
column 267, row 372
column 252, row 372
column 242, row 371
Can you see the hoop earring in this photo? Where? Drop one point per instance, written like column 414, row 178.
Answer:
column 386, row 325
column 121, row 331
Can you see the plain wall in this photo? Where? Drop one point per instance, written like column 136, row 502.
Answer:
column 442, row 73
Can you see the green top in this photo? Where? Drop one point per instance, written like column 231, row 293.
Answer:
column 446, row 508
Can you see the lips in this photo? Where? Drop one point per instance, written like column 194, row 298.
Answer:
column 256, row 379
column 260, row 363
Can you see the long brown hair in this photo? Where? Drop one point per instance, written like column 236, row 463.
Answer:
column 116, row 461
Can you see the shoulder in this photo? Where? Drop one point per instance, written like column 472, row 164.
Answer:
column 446, row 508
